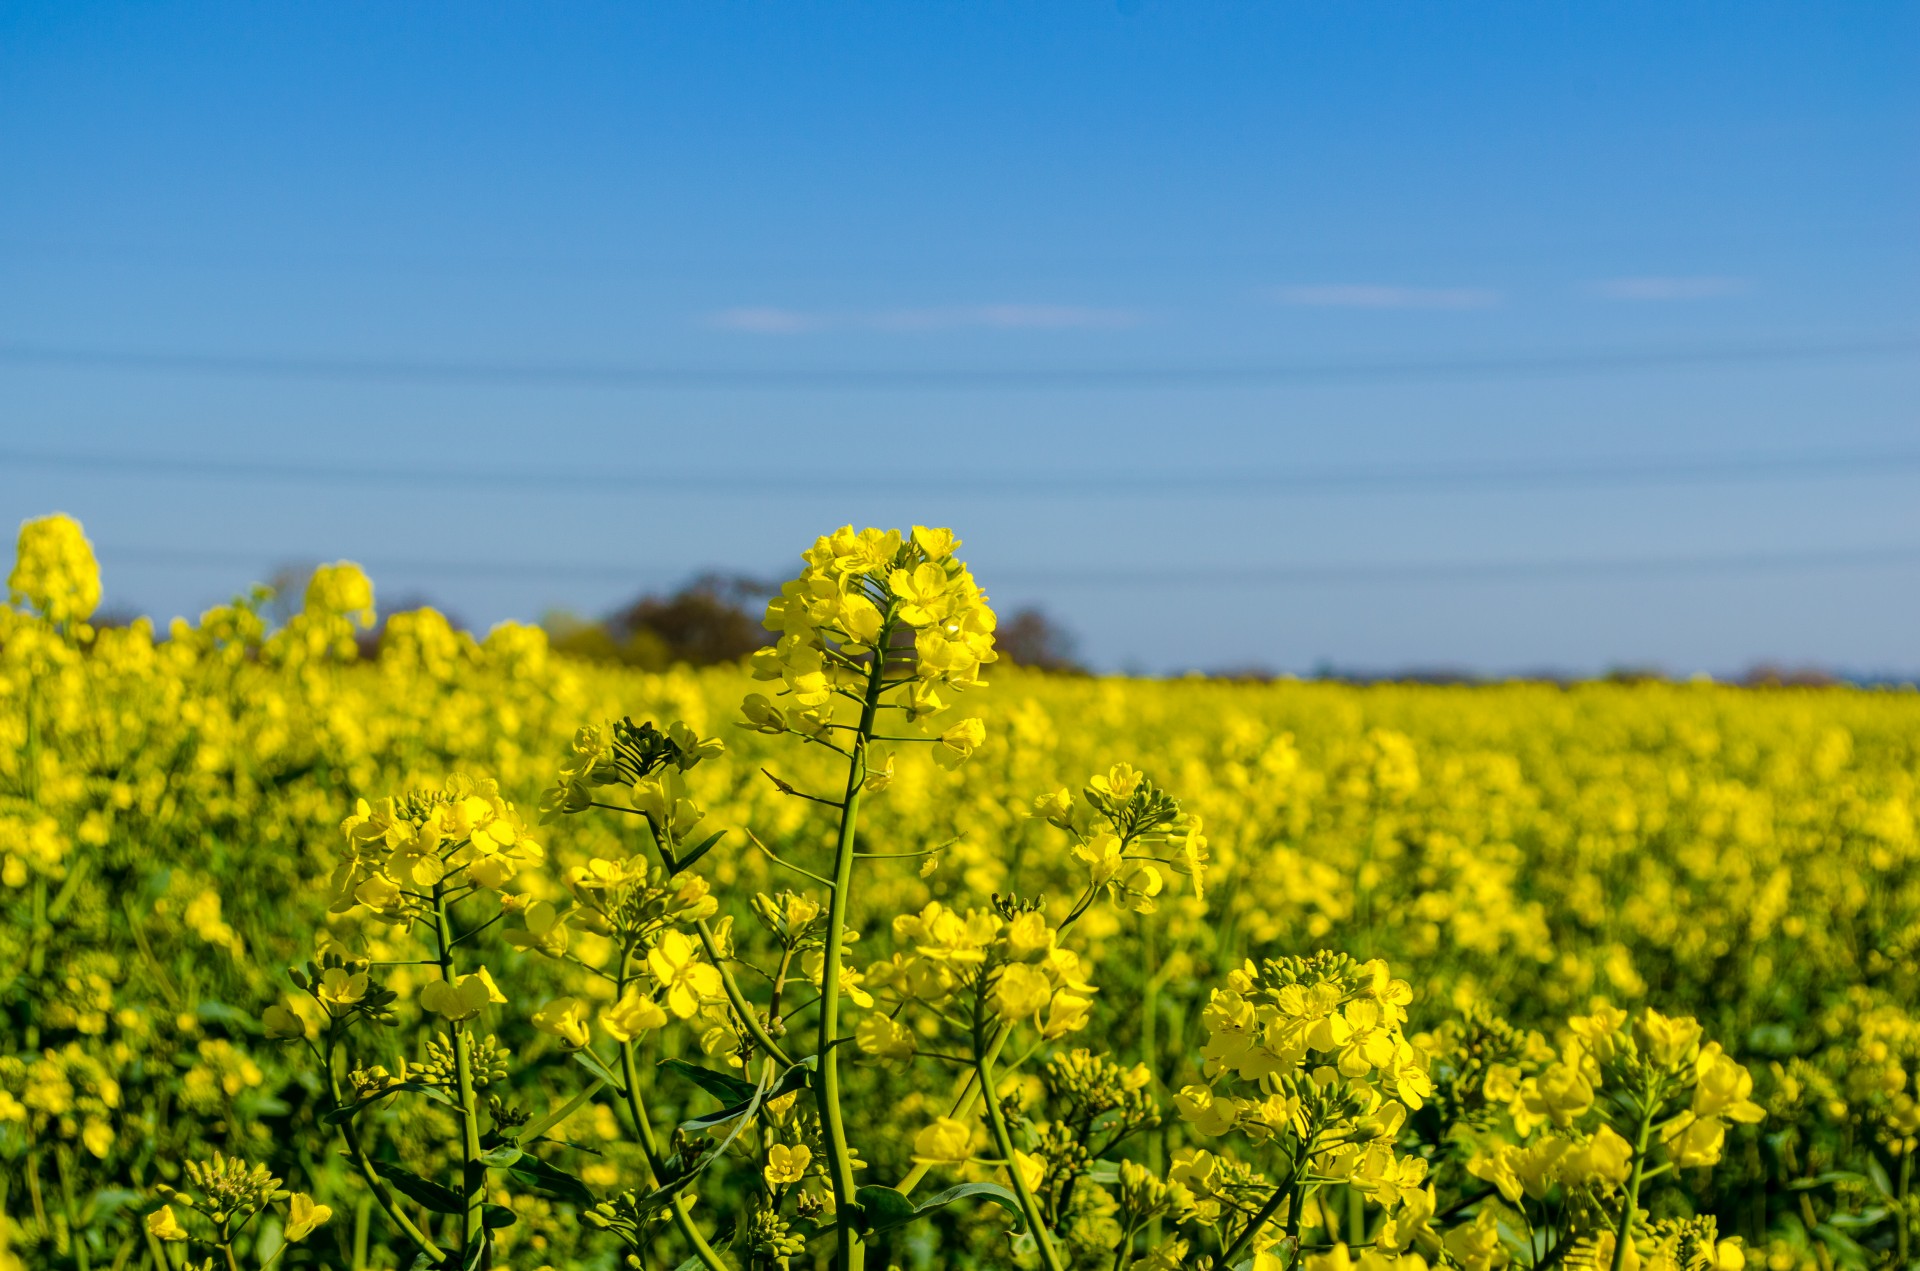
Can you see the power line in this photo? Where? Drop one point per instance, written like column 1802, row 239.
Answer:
column 1362, row 572
column 634, row 376
column 1238, row 480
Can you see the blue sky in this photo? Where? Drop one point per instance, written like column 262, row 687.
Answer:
column 1504, row 336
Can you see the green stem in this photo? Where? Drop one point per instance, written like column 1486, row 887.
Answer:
column 963, row 1105
column 650, row 1147
column 382, row 1192
column 741, row 1007
column 1272, row 1206
column 1255, row 1223
column 1150, row 1050
column 1631, row 1204
column 473, row 1170
column 850, row 1249
column 1906, row 1220
column 997, row 1121
column 362, row 1215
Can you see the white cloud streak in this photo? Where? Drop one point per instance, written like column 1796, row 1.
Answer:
column 1383, row 296
column 1656, row 288
column 768, row 320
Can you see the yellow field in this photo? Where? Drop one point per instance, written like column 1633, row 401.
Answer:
column 1524, row 859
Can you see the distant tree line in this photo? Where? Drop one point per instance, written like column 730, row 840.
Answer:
column 715, row 618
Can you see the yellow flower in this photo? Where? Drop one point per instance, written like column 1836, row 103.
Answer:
column 545, row 930
column 1033, row 1169
column 945, row 1142
column 633, row 1014
column 341, row 589
column 1669, row 1042
column 339, row 987
column 281, row 1024
column 787, row 1164
column 565, row 1018
column 1723, row 1088
column 1206, row 1112
column 923, row 594
column 303, row 1216
column 688, row 981
column 164, row 1224
column 462, row 998
column 885, row 1038
column 1066, row 1013
column 1606, row 1159
column 54, row 570
column 1697, row 1143
column 1020, row 993
column 958, row 743
column 1560, row 1095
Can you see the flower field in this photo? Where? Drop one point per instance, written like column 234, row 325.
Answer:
column 469, row 955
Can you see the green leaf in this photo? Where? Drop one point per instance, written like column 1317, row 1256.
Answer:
column 1823, row 1180
column 723, row 1086
column 883, row 1208
column 421, row 1191
column 983, row 1191
column 501, row 1157
column 706, row 845
column 550, row 1180
column 793, row 1079
column 532, row 1131
column 495, row 1216
column 591, row 1062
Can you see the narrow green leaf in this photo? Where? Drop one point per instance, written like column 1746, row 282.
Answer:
column 982, row 1191
column 548, row 1179
column 721, row 1085
column 421, row 1191
column 793, row 1079
column 706, row 845
column 533, row 1130
column 883, row 1208
column 591, row 1062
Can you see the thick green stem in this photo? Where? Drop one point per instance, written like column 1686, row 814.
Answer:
column 650, row 1147
column 997, row 1122
column 389, row 1203
column 1272, row 1206
column 473, row 1170
column 1630, row 1204
column 1255, row 1223
column 849, row 1247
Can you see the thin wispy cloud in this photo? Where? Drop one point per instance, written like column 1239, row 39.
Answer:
column 1382, row 296
column 1657, row 287
column 767, row 320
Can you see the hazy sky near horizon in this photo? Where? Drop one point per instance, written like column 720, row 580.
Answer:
column 1502, row 336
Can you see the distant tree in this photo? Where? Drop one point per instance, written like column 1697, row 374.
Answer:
column 1777, row 675
column 1029, row 637
column 713, row 619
